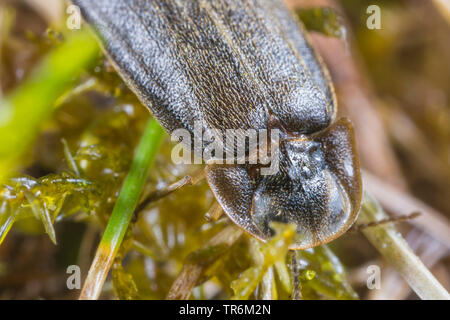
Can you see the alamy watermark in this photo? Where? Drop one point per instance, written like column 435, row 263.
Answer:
column 374, row 278
column 374, row 19
column 73, row 21
column 73, row 281
column 230, row 146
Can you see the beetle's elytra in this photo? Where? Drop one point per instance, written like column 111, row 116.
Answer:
column 242, row 64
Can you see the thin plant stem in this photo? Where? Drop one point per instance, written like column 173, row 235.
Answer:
column 393, row 247
column 399, row 203
column 123, row 210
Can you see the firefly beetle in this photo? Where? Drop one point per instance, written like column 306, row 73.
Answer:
column 242, row 64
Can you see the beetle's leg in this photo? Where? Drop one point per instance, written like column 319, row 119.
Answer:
column 214, row 213
column 188, row 180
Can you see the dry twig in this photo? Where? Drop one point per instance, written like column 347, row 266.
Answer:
column 390, row 243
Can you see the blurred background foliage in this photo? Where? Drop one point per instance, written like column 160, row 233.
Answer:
column 71, row 175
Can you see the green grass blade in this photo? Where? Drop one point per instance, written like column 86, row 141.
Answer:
column 123, row 210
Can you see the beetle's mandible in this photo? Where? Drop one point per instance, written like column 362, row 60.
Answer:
column 242, row 64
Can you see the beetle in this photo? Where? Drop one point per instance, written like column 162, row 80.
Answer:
column 242, row 64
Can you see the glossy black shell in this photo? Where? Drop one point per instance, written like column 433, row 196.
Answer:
column 235, row 64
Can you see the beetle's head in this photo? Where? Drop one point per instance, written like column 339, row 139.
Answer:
column 317, row 186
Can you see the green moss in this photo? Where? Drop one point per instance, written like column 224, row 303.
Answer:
column 321, row 19
column 71, row 163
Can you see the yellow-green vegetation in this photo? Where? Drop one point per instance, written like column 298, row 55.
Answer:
column 78, row 153
column 94, row 131
column 322, row 19
column 274, row 251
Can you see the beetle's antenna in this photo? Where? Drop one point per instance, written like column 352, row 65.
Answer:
column 188, row 180
column 402, row 218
